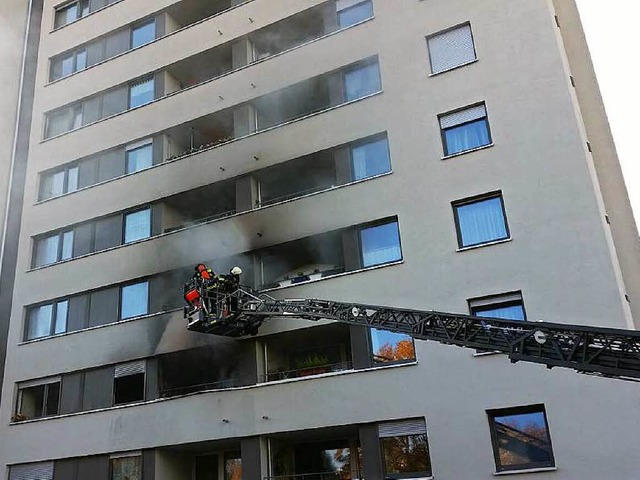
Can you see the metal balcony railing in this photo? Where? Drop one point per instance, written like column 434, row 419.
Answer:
column 307, row 371
column 317, row 476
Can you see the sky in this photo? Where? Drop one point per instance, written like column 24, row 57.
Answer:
column 611, row 30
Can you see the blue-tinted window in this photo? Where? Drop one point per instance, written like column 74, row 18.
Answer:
column 506, row 311
column 137, row 225
column 391, row 347
column 521, row 438
column 370, row 159
column 465, row 129
column 135, row 300
column 355, row 14
column 144, row 33
column 481, row 221
column 380, row 244
column 139, row 158
column 141, row 93
column 362, row 81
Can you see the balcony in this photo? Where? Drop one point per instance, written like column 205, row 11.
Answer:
column 200, row 461
column 327, row 454
column 312, row 351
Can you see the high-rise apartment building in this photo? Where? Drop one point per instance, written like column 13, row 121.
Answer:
column 431, row 154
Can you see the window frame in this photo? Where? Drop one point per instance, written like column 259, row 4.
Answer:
column 125, row 215
column 367, row 141
column 498, row 300
column 134, row 147
column 386, row 221
column 352, row 7
column 137, row 83
column 60, row 247
column 53, row 321
column 512, row 411
column 79, row 12
column 45, row 383
column 363, row 64
column 372, row 353
column 115, row 403
column 476, row 199
column 73, row 54
column 445, row 148
column 120, row 294
column 120, row 456
column 139, row 25
column 447, row 30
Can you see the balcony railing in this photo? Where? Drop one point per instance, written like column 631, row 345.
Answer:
column 317, row 476
column 307, row 371
column 185, row 390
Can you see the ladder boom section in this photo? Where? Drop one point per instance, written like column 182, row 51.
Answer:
column 606, row 351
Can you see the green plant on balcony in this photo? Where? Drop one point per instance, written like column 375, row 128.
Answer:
column 312, row 364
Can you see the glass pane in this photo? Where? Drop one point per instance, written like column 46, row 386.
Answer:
column 81, row 60
column 66, row 15
column 391, row 347
column 362, row 81
column 137, row 225
column 127, row 468
column 72, row 179
column 380, row 244
column 84, row 8
column 232, row 467
column 512, row 312
column 67, row 245
column 141, row 93
column 67, row 66
column 370, row 159
column 355, row 14
column 466, row 137
column 52, row 185
column 406, row 454
column 481, row 222
column 139, row 158
column 47, row 250
column 62, row 309
column 77, row 116
column 135, row 300
column 522, row 440
column 52, row 398
column 58, row 122
column 143, row 34
column 32, row 402
column 40, row 322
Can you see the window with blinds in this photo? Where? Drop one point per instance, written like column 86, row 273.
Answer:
column 129, row 382
column 32, row 471
column 405, row 449
column 451, row 48
column 465, row 129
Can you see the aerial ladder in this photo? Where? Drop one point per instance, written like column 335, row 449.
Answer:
column 220, row 305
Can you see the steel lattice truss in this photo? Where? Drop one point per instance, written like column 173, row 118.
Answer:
column 606, row 351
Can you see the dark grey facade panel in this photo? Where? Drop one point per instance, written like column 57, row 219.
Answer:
column 151, row 379
column 251, row 460
column 71, row 393
column 66, row 469
column 117, row 43
column 83, row 239
column 371, row 458
column 115, row 101
column 108, row 232
column 95, row 52
column 98, row 389
column 104, row 306
column 77, row 317
column 87, row 172
column 93, row 468
column 149, row 465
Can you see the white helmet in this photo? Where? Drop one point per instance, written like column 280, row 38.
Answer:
column 236, row 271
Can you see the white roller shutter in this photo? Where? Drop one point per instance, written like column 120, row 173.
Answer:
column 463, row 116
column 32, row 471
column 415, row 426
column 451, row 48
column 132, row 368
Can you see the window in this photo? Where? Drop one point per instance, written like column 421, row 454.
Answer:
column 351, row 12
column 47, row 320
column 380, row 244
column 389, row 347
column 126, row 468
column 508, row 306
column 38, row 401
column 370, row 159
column 232, row 466
column 68, row 64
column 362, row 81
column 141, row 93
column 54, row 248
column 465, row 130
column 143, row 33
column 58, row 183
column 32, row 471
column 134, row 300
column 137, row 225
column 63, row 120
column 139, row 157
column 128, row 383
column 71, row 12
column 451, row 48
column 480, row 220
column 405, row 450
column 520, row 438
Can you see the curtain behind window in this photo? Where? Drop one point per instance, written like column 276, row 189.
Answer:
column 481, row 222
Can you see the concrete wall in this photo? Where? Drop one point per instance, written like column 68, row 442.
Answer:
column 561, row 254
